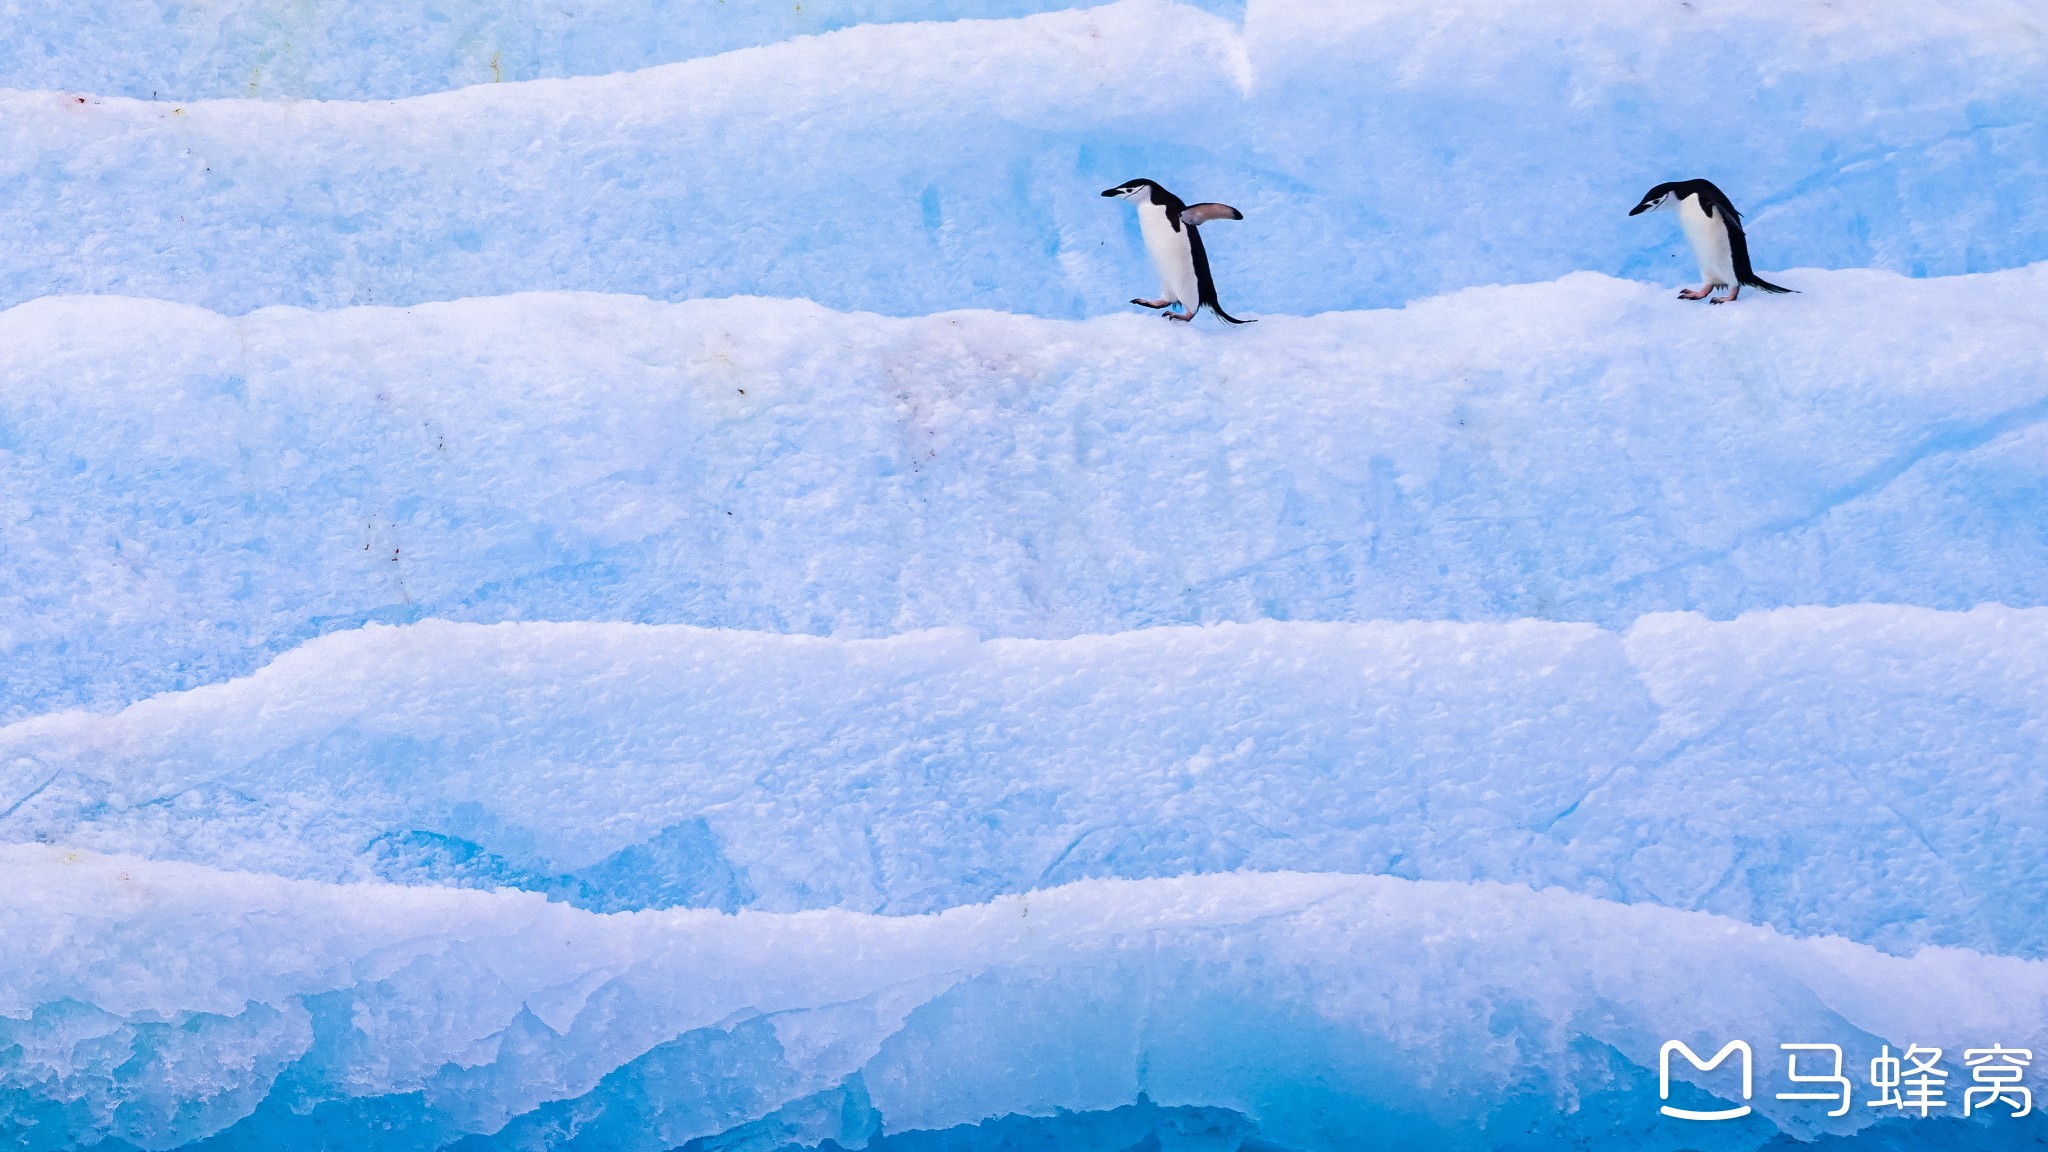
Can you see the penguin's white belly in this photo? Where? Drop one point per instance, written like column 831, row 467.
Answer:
column 1171, row 254
column 1709, row 241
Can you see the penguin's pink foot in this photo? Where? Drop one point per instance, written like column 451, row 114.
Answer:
column 1732, row 294
column 1144, row 303
column 1178, row 316
column 1699, row 293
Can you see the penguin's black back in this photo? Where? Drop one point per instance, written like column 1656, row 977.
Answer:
column 1716, row 203
column 1205, row 284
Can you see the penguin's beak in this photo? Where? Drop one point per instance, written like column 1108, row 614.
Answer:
column 1639, row 209
column 1112, row 192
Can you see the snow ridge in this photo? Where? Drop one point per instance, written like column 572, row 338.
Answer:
column 1858, row 771
column 1382, row 153
column 199, row 493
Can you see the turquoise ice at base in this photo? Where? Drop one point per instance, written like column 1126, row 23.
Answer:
column 1310, row 1010
column 604, row 576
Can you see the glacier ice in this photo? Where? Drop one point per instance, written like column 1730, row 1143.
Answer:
column 1865, row 771
column 198, row 493
column 379, row 49
column 711, row 637
column 1381, row 152
column 1422, row 1011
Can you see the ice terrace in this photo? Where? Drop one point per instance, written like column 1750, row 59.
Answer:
column 658, row 604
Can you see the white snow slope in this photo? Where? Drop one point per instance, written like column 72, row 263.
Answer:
column 1381, row 152
column 190, row 494
column 368, row 49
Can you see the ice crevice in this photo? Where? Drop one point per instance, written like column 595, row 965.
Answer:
column 1954, row 441
column 34, row 792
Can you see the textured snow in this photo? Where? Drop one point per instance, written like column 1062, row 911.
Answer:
column 1868, row 772
column 174, row 50
column 1381, row 153
column 192, row 494
column 1421, row 1011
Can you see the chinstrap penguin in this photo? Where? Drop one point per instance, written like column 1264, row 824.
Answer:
column 1175, row 245
column 1714, row 228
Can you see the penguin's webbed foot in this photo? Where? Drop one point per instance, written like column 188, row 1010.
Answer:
column 1177, row 316
column 1154, row 304
column 1732, row 294
column 1696, row 293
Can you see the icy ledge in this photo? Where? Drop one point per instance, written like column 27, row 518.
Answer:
column 159, row 1003
column 187, row 495
column 1381, row 151
column 1868, row 771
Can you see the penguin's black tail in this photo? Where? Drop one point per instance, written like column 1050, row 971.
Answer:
column 1766, row 285
column 1222, row 315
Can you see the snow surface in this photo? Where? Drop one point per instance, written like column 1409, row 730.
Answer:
column 1426, row 1012
column 1870, row 772
column 175, row 50
column 193, row 494
column 1381, row 153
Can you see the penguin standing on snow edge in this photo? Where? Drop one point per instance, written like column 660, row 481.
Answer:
column 1714, row 228
column 1168, row 226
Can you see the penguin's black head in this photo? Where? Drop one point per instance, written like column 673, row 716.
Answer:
column 1656, row 199
column 1132, row 190
column 1669, row 193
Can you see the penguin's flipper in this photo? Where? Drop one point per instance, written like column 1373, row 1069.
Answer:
column 1203, row 213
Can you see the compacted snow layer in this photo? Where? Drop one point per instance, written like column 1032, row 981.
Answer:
column 1870, row 771
column 184, row 495
column 178, row 50
column 160, row 1003
column 1381, row 152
